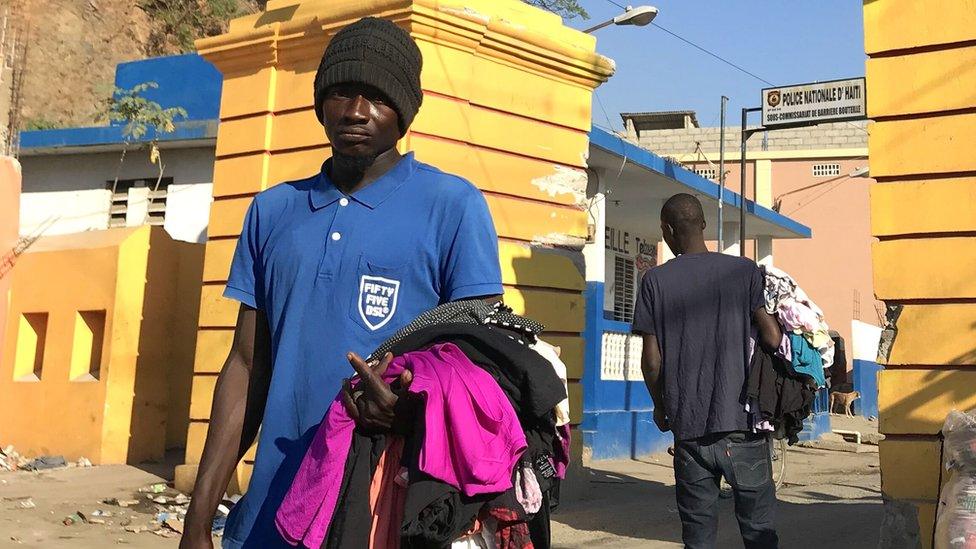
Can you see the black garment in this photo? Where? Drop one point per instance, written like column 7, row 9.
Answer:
column 353, row 519
column 838, row 370
column 378, row 53
column 700, row 306
column 540, row 526
column 435, row 514
column 782, row 398
column 468, row 311
column 745, row 462
column 524, row 375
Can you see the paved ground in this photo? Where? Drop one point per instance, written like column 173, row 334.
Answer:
column 832, row 499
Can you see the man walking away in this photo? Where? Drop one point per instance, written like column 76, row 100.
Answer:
column 695, row 314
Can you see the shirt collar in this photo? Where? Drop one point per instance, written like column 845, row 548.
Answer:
column 324, row 192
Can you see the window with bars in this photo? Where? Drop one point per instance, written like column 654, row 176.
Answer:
column 826, row 170
column 623, row 289
column 156, row 195
column 707, row 173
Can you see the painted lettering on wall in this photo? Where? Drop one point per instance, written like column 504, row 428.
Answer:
column 617, row 240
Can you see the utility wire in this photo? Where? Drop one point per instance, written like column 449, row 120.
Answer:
column 715, row 55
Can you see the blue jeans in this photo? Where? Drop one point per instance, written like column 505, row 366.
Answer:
column 745, row 462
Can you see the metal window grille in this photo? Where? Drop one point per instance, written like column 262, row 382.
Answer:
column 707, row 173
column 826, row 170
column 623, row 289
column 120, row 200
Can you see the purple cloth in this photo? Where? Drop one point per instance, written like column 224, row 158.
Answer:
column 472, row 440
column 563, row 451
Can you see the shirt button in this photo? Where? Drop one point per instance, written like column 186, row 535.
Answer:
column 343, row 201
column 336, row 236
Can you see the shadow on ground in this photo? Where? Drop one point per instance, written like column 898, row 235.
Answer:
column 834, row 501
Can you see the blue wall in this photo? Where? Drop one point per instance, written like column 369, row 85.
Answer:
column 618, row 420
column 187, row 81
column 866, row 382
column 818, row 423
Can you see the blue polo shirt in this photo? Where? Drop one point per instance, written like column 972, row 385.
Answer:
column 336, row 273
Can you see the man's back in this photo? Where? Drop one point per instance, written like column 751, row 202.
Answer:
column 699, row 306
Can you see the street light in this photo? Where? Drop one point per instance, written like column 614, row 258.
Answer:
column 639, row 16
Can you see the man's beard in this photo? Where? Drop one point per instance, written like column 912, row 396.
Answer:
column 356, row 163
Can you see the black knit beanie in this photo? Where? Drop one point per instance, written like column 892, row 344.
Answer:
column 378, row 53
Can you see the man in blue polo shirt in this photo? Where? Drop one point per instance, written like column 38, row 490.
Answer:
column 332, row 265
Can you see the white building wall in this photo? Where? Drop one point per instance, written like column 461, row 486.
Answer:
column 188, row 211
column 64, row 212
column 74, row 189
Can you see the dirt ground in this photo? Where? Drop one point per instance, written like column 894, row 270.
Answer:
column 831, row 499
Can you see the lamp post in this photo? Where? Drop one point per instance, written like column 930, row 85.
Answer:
column 639, row 16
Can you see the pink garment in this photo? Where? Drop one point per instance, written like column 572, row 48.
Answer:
column 785, row 348
column 527, row 490
column 798, row 316
column 472, row 440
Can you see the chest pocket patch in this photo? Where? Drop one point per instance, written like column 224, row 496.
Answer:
column 377, row 301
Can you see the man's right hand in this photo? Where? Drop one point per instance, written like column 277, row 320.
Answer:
column 196, row 538
column 661, row 420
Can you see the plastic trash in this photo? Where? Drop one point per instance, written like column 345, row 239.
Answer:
column 956, row 525
column 45, row 462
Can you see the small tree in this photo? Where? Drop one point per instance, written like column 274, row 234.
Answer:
column 141, row 115
column 570, row 9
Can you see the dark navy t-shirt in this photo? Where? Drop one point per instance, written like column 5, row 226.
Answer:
column 699, row 306
column 337, row 273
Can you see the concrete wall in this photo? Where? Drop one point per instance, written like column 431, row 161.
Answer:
column 73, row 189
column 494, row 69
column 99, row 349
column 681, row 143
column 921, row 94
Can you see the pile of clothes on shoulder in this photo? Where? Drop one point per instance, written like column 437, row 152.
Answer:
column 482, row 464
column 782, row 385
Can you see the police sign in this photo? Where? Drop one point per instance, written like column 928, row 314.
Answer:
column 809, row 104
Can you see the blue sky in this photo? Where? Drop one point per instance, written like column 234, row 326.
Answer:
column 783, row 41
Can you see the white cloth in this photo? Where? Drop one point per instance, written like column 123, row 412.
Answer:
column 798, row 313
column 548, row 352
column 485, row 539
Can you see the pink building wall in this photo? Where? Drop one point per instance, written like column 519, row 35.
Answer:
column 9, row 224
column 834, row 266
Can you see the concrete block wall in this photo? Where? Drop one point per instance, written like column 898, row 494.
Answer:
column 681, row 142
column 921, row 95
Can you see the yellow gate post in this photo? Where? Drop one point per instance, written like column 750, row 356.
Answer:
column 507, row 105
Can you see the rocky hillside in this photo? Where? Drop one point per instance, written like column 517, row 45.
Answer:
column 75, row 45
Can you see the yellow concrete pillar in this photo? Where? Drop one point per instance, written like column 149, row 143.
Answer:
column 507, row 106
column 923, row 210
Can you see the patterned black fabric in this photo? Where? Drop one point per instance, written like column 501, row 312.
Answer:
column 469, row 311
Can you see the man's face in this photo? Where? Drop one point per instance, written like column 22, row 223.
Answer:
column 360, row 121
